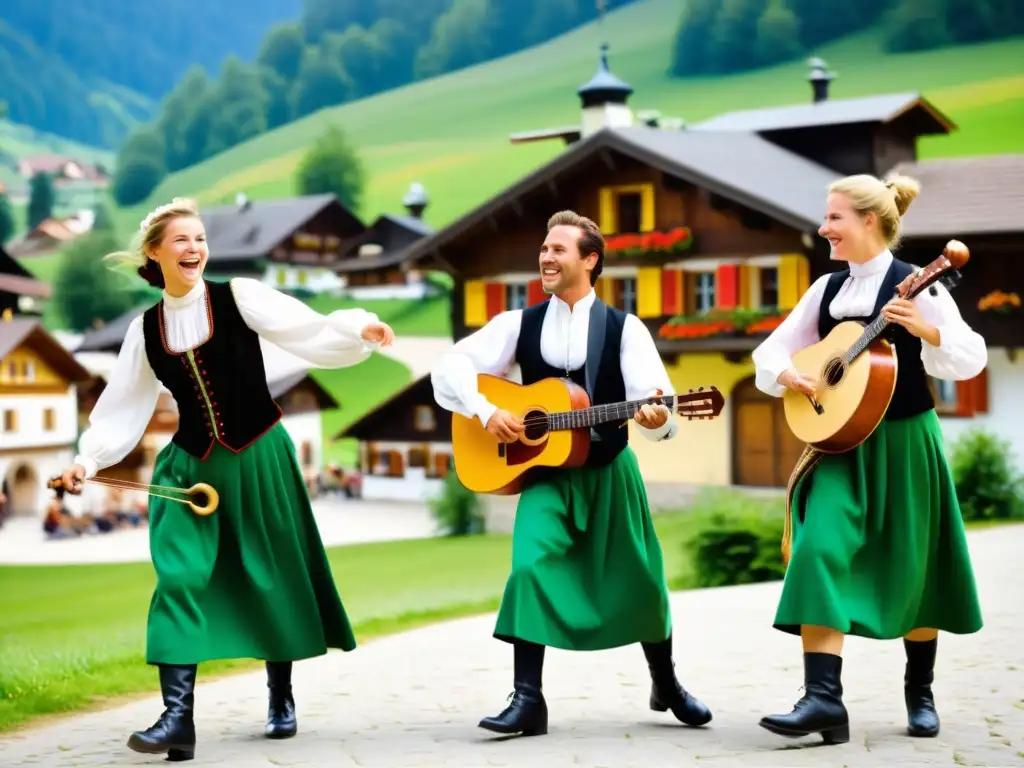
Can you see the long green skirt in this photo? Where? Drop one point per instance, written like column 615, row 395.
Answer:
column 587, row 570
column 879, row 546
column 251, row 580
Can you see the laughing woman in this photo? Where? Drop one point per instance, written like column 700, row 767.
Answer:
column 251, row 580
column 878, row 547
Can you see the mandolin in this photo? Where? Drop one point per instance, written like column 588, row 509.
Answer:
column 856, row 369
column 557, row 416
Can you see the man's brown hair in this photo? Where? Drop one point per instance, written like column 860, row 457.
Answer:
column 591, row 240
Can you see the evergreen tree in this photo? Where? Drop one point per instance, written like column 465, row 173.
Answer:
column 778, row 34
column 86, row 288
column 41, row 199
column 690, row 46
column 7, row 223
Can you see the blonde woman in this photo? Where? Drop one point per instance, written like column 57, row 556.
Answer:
column 251, row 580
column 878, row 547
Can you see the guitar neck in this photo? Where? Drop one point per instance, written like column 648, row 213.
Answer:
column 870, row 333
column 602, row 414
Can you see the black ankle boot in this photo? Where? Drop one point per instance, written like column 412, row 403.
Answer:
column 527, row 712
column 281, row 722
column 922, row 719
column 821, row 710
column 175, row 732
column 666, row 691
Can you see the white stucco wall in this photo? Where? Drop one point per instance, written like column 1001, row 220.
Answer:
column 29, row 431
column 1005, row 405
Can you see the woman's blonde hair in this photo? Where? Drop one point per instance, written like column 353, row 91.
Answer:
column 151, row 232
column 888, row 200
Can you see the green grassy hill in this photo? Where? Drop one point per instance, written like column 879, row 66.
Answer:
column 451, row 133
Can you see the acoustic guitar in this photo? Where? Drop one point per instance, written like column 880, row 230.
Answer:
column 856, row 370
column 557, row 416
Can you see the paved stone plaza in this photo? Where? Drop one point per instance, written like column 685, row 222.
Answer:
column 413, row 700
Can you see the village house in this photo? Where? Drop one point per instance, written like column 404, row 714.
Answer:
column 62, row 169
column 405, row 445
column 711, row 240
column 39, row 381
column 314, row 244
column 53, row 234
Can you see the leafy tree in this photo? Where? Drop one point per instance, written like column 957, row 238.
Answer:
column 361, row 55
column 241, row 107
column 729, row 48
column 331, row 165
column 7, row 223
column 86, row 288
column 461, row 37
column 41, row 199
column 321, row 83
column 178, row 118
column 140, row 167
column 282, row 51
column 690, row 46
column 778, row 34
column 915, row 26
column 279, row 110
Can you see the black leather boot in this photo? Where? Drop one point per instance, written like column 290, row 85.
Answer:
column 666, row 691
column 922, row 719
column 175, row 732
column 821, row 710
column 281, row 722
column 527, row 712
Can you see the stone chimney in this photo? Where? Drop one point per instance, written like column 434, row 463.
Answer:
column 819, row 79
column 415, row 200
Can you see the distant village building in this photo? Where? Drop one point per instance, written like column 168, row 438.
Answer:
column 20, row 292
column 405, row 445
column 313, row 244
column 53, row 234
column 39, row 382
column 63, row 169
column 711, row 235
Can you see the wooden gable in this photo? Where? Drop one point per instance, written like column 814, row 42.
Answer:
column 31, row 360
column 411, row 415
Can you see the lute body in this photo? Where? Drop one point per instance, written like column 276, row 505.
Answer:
column 856, row 370
column 558, row 418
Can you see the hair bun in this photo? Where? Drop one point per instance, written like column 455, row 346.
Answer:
column 905, row 191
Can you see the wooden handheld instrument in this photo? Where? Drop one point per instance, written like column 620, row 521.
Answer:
column 557, row 417
column 856, row 370
column 201, row 498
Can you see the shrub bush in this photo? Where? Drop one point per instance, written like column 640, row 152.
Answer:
column 457, row 510
column 987, row 482
column 734, row 539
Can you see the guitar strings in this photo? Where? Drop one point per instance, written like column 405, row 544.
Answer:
column 534, row 421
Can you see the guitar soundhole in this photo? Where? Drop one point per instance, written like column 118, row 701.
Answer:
column 833, row 372
column 536, row 424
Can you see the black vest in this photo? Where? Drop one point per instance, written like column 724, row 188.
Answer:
column 912, row 395
column 220, row 387
column 608, row 384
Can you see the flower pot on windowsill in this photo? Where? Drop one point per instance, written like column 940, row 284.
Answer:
column 633, row 245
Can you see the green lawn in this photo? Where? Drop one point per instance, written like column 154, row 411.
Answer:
column 72, row 636
column 451, row 132
column 408, row 317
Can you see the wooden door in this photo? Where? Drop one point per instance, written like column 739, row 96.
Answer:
column 764, row 449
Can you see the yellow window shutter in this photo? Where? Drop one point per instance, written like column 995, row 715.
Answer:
column 743, row 291
column 475, row 304
column 648, row 292
column 604, row 291
column 647, row 208
column 607, row 208
column 804, row 275
column 790, row 280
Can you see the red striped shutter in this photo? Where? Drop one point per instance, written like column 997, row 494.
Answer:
column 672, row 292
column 495, row 293
column 727, row 286
column 534, row 293
column 972, row 395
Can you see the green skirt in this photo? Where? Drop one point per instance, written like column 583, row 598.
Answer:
column 251, row 580
column 587, row 570
column 879, row 547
